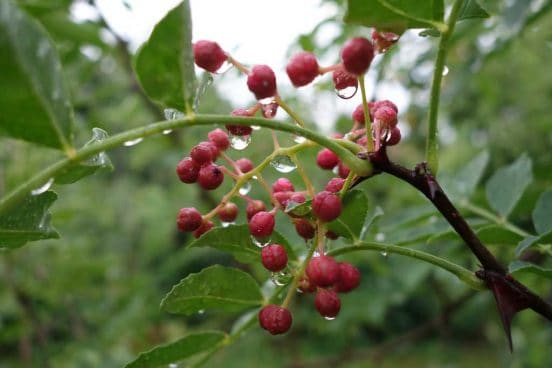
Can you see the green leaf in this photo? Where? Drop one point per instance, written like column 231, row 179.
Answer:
column 34, row 101
column 216, row 287
column 494, row 234
column 88, row 167
column 545, row 238
column 236, row 240
column 299, row 209
column 176, row 351
column 165, row 64
column 542, row 214
column 506, row 186
column 29, row 221
column 370, row 220
column 521, row 267
column 472, row 9
column 354, row 211
column 463, row 182
column 395, row 15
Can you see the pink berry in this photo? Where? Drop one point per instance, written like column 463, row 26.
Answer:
column 385, row 115
column 262, row 81
column 326, row 159
column 240, row 130
column 253, row 207
column 205, row 226
column 326, row 206
column 358, row 115
column 210, row 177
column 282, row 197
column 282, row 185
column 208, row 55
column 327, row 303
column 373, row 106
column 305, row 285
column 357, row 55
column 201, row 154
column 383, row 40
column 394, row 136
column 349, row 278
column 187, row 170
column 343, row 170
column 275, row 319
column 219, row 139
column 362, row 141
column 304, row 228
column 323, row 271
column 274, row 257
column 213, row 147
column 302, row 68
column 245, row 165
column 297, row 198
column 335, row 185
column 228, row 212
column 342, row 79
column 189, row 219
column 262, row 224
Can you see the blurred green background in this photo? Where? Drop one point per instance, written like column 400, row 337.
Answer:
column 91, row 299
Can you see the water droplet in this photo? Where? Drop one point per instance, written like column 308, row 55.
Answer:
column 255, row 127
column 245, row 188
column 380, row 237
column 445, row 70
column 281, row 278
column 172, row 365
column 226, row 224
column 133, row 142
column 100, row 159
column 173, row 114
column 167, row 131
column 43, row 188
column 201, row 311
column 327, row 318
column 206, row 81
column 299, row 291
column 260, row 242
column 335, row 170
column 283, row 164
column 346, row 93
column 269, row 110
column 239, row 142
column 254, row 177
column 383, row 254
column 315, row 254
column 299, row 139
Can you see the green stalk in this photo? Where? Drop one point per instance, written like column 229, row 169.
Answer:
column 13, row 198
column 431, row 141
column 463, row 274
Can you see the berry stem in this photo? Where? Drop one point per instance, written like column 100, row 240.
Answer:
column 231, row 162
column 303, row 174
column 242, row 68
column 347, row 184
column 369, row 143
column 289, row 111
column 266, row 187
column 431, row 140
column 229, row 172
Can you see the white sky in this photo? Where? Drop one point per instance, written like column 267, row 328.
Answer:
column 253, row 31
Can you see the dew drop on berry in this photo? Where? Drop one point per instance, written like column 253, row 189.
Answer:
column 239, row 142
column 329, row 318
column 133, row 142
column 283, row 164
column 261, row 242
column 43, row 187
column 245, row 188
column 173, row 114
column 346, row 93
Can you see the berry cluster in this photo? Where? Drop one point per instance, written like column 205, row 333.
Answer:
column 321, row 274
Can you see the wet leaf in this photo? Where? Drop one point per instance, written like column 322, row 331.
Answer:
column 521, row 266
column 472, row 9
column 542, row 214
column 354, row 211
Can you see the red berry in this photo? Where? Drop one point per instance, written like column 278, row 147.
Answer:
column 189, row 219
column 342, row 79
column 208, row 55
column 326, row 206
column 245, row 165
column 228, row 212
column 335, row 185
column 201, row 154
column 327, row 303
column 253, row 207
column 331, row 235
column 282, row 197
column 210, row 177
column 349, row 278
column 394, row 136
column 362, row 141
column 205, row 226
column 358, row 115
column 240, row 130
column 373, row 106
column 304, row 228
column 219, row 139
column 282, row 185
column 357, row 55
column 262, row 224
column 323, row 271
column 385, row 115
column 326, row 159
column 187, row 170
column 297, row 198
column 262, row 81
column 274, row 257
column 343, row 170
column 275, row 319
column 213, row 147
column 305, row 285
column 302, row 68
